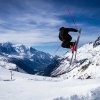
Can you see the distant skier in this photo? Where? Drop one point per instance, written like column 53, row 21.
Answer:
column 66, row 38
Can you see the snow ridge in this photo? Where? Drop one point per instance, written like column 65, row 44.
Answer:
column 87, row 65
column 97, row 42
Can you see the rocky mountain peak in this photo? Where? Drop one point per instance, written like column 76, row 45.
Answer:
column 97, row 42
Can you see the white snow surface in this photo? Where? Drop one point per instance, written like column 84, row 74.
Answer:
column 86, row 66
column 32, row 87
column 4, row 63
column 82, row 82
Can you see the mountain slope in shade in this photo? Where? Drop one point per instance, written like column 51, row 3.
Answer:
column 87, row 64
column 25, row 59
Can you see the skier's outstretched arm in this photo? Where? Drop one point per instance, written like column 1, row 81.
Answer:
column 72, row 29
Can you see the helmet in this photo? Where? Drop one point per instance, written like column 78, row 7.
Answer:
column 61, row 28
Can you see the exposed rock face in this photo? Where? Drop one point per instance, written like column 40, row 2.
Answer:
column 97, row 42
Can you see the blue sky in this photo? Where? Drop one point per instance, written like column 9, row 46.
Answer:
column 37, row 22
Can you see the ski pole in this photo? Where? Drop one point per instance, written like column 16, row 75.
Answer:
column 57, row 49
column 69, row 12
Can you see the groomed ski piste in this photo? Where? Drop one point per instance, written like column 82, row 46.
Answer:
column 78, row 84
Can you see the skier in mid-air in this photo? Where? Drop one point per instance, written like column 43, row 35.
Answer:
column 66, row 38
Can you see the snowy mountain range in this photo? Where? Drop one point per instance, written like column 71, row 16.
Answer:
column 86, row 66
column 72, row 83
column 26, row 59
column 29, row 60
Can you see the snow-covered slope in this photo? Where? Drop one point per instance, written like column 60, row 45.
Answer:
column 69, row 86
column 25, row 59
column 32, row 87
column 86, row 66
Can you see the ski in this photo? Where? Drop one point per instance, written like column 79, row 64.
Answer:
column 75, row 52
column 71, row 58
column 79, row 33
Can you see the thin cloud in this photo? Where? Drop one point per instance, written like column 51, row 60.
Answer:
column 33, row 37
column 37, row 22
